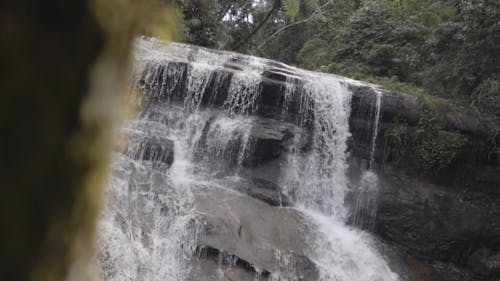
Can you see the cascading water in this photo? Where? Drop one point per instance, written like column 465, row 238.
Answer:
column 317, row 179
column 376, row 121
column 202, row 105
column 365, row 202
column 318, row 183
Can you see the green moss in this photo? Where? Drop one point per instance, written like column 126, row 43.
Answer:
column 427, row 145
column 436, row 149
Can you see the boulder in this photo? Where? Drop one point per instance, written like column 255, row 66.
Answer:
column 270, row 239
column 261, row 189
column 392, row 104
column 270, row 139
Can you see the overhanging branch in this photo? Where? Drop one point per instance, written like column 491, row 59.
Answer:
column 276, row 6
column 312, row 16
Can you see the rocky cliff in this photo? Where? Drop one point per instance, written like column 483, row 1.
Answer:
column 437, row 222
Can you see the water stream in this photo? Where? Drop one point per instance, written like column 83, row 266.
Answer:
column 365, row 204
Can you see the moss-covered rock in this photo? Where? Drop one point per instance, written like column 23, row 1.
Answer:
column 63, row 64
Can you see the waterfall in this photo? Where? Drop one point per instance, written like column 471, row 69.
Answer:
column 376, row 121
column 312, row 176
column 204, row 119
column 318, row 183
column 365, row 201
column 243, row 93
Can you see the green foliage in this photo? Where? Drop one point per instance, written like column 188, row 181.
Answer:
column 435, row 148
column 362, row 72
column 292, row 8
column 427, row 145
column 314, row 54
column 465, row 54
column 447, row 48
column 201, row 23
column 387, row 45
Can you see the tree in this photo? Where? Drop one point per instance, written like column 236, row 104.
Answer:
column 465, row 53
column 448, row 47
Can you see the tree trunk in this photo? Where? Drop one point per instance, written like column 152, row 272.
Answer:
column 61, row 74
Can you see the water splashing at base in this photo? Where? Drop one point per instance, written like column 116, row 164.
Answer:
column 346, row 254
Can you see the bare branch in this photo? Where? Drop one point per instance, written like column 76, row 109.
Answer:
column 317, row 12
column 276, row 6
column 223, row 12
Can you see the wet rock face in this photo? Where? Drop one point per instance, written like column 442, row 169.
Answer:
column 439, row 223
column 392, row 105
column 409, row 267
column 154, row 81
column 270, row 139
column 265, row 141
column 477, row 165
column 476, row 168
column 485, row 263
column 282, row 98
column 157, row 150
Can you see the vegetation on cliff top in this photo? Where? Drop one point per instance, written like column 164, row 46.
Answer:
column 446, row 48
column 426, row 147
column 445, row 52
